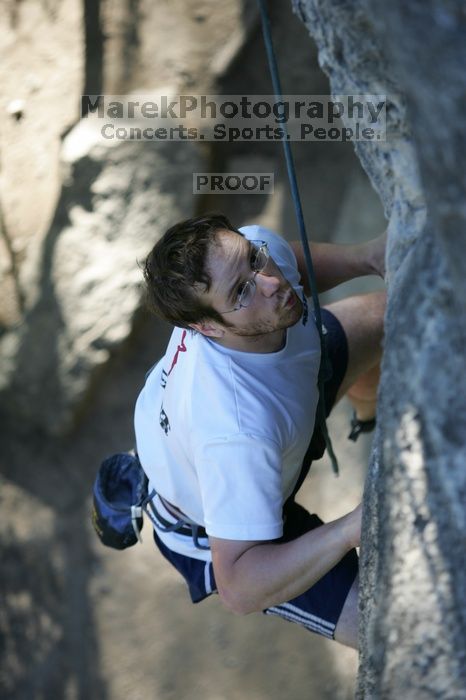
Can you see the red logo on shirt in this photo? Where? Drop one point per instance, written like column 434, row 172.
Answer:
column 181, row 348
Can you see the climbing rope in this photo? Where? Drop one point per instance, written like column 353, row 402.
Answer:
column 325, row 367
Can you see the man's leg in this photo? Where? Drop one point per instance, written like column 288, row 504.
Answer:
column 346, row 631
column 363, row 394
column 362, row 319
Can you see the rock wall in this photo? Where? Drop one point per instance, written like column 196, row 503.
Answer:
column 413, row 573
column 75, row 214
column 83, row 282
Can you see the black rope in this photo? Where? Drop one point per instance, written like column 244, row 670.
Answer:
column 325, row 364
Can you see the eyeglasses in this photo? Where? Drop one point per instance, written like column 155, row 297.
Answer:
column 259, row 258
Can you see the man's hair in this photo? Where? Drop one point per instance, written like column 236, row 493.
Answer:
column 175, row 271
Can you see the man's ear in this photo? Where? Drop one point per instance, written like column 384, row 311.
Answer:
column 208, row 328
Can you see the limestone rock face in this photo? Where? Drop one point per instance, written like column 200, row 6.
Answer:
column 413, row 573
column 42, row 56
column 83, row 281
column 75, row 214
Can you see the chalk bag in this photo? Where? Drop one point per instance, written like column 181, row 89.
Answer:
column 119, row 492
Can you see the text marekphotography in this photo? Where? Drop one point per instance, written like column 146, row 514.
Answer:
column 233, row 118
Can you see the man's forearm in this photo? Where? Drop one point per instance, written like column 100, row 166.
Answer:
column 268, row 574
column 335, row 264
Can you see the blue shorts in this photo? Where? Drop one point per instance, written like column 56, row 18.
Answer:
column 319, row 608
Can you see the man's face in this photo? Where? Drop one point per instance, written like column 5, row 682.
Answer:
column 275, row 306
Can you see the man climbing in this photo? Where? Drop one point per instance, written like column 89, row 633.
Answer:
column 225, row 419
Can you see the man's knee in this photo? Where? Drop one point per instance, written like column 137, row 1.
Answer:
column 362, row 319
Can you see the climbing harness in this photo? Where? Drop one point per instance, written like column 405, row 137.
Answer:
column 325, row 366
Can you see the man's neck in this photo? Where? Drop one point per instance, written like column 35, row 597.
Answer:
column 265, row 344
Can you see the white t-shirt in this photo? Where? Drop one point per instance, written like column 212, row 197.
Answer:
column 221, row 433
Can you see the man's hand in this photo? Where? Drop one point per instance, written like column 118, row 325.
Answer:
column 376, row 254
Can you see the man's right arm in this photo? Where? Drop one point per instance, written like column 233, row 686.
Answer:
column 335, row 264
column 252, row 576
